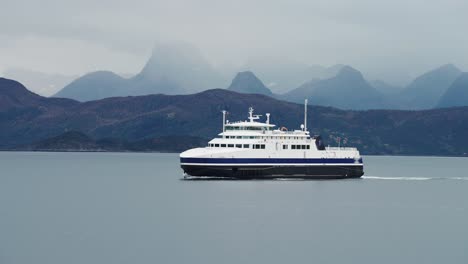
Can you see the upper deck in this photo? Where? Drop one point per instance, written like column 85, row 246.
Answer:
column 253, row 128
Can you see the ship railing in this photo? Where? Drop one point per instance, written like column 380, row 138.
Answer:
column 341, row 148
column 276, row 132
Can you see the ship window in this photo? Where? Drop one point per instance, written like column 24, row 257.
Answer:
column 238, row 137
column 262, row 146
column 238, row 145
column 223, row 145
column 217, row 145
column 293, row 146
column 246, row 145
column 308, row 146
column 285, row 146
column 303, row 146
column 252, row 137
column 230, row 145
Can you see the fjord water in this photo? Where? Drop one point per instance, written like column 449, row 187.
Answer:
column 134, row 208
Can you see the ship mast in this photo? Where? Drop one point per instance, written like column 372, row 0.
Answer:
column 305, row 115
column 224, row 121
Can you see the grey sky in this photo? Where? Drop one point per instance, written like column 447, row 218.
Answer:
column 380, row 38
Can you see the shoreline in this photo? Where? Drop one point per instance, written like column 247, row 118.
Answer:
column 177, row 152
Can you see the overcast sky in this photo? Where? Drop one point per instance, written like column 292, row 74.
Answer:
column 380, row 38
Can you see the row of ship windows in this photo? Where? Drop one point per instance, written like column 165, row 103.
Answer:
column 297, row 146
column 262, row 137
column 256, row 146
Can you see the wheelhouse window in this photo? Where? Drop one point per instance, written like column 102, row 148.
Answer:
column 223, row 145
column 216, row 145
column 230, row 145
column 246, row 146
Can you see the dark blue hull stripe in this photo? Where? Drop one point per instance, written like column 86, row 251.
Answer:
column 266, row 161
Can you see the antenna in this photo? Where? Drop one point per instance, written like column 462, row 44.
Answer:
column 251, row 114
column 268, row 118
column 305, row 115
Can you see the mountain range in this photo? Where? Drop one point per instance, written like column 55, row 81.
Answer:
column 28, row 120
column 347, row 90
column 180, row 69
column 174, row 69
column 426, row 90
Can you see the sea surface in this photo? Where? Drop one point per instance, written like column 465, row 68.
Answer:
column 109, row 208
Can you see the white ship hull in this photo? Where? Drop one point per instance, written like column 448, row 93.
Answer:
column 332, row 164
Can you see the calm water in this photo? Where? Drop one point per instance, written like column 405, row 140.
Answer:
column 58, row 208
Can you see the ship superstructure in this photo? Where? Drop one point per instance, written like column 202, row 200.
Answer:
column 252, row 149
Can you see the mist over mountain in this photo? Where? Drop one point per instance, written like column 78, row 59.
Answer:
column 247, row 82
column 281, row 75
column 426, row 90
column 181, row 65
column 347, row 90
column 171, row 69
column 94, row 86
column 385, row 88
column 457, row 93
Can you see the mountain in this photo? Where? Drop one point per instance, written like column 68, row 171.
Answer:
column 282, row 75
column 247, row 82
column 41, row 83
column 27, row 119
column 182, row 66
column 171, row 69
column 95, row 85
column 425, row 91
column 347, row 90
column 13, row 96
column 385, row 88
column 457, row 93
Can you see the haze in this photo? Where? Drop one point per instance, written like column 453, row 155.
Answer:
column 390, row 40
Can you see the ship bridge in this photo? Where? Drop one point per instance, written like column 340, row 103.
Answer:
column 245, row 125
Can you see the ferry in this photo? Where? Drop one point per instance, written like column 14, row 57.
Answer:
column 258, row 150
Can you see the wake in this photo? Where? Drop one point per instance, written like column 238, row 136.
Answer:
column 414, row 178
